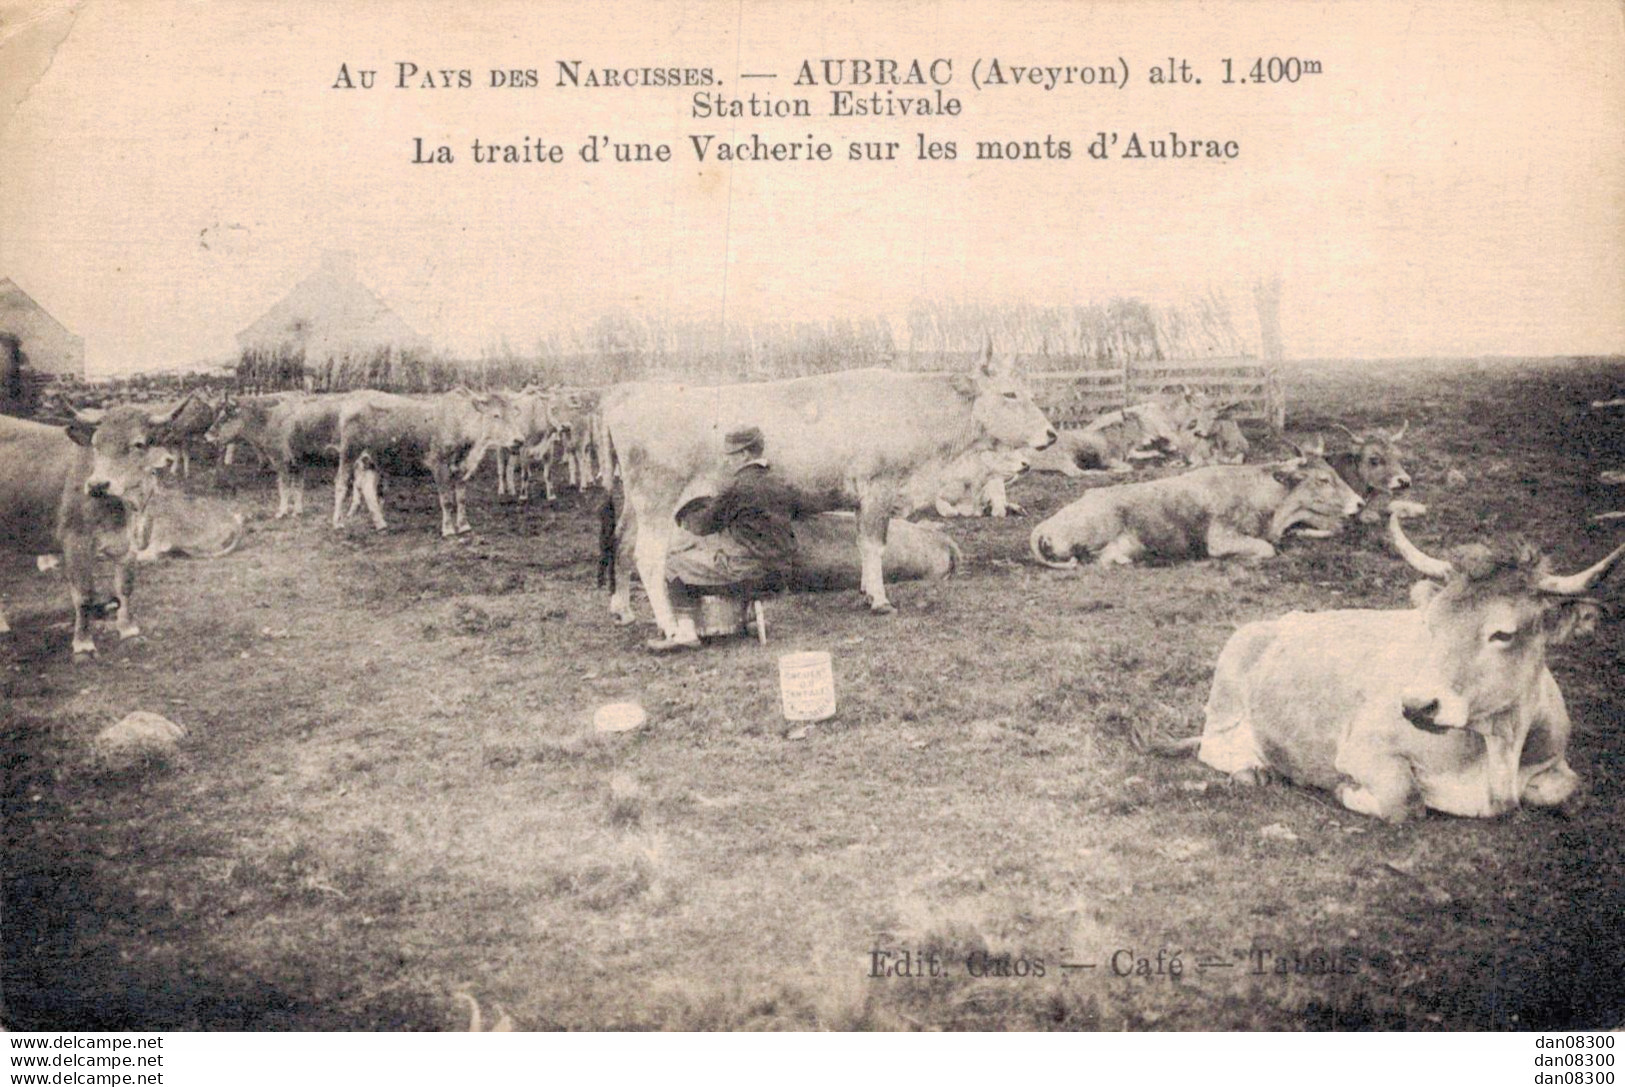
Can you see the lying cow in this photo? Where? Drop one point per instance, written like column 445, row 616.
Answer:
column 1372, row 467
column 448, row 434
column 824, row 559
column 859, row 438
column 181, row 524
column 79, row 491
column 290, row 431
column 974, row 484
column 1212, row 437
column 1217, row 511
column 1449, row 704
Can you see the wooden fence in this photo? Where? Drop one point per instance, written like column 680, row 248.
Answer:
column 1072, row 397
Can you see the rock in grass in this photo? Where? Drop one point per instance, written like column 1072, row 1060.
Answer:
column 140, row 739
column 619, row 717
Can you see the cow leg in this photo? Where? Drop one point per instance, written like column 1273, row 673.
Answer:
column 1544, row 776
column 1223, row 542
column 341, row 487
column 459, row 493
column 123, row 589
column 298, row 488
column 1376, row 782
column 620, row 601
column 78, row 566
column 504, row 477
column 993, row 497
column 1122, row 551
column 653, row 541
column 366, row 486
column 442, row 490
column 282, row 492
column 874, row 518
column 5, row 627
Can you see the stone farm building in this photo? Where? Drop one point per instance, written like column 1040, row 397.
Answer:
column 34, row 349
column 329, row 314
column 47, row 347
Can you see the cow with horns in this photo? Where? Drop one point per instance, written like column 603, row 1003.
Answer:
column 1448, row 705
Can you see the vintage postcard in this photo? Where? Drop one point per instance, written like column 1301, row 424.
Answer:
column 792, row 515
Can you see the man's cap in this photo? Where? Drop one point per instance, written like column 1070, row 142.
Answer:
column 740, row 440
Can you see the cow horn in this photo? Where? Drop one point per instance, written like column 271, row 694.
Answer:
column 1575, row 584
column 1420, row 561
column 1353, row 436
column 1400, row 433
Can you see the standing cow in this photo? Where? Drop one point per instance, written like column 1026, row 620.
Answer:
column 194, row 417
column 1448, row 705
column 857, row 439
column 80, row 491
column 448, row 434
column 290, row 431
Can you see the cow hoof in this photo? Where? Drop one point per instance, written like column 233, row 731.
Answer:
column 464, row 529
column 131, row 631
column 883, row 608
column 623, row 620
column 83, row 653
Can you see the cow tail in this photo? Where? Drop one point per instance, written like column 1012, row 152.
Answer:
column 608, row 542
column 1041, row 553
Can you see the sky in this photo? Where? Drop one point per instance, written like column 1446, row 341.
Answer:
column 1449, row 183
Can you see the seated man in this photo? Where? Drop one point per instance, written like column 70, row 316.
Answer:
column 740, row 538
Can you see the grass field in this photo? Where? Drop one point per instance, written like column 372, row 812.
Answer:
column 390, row 791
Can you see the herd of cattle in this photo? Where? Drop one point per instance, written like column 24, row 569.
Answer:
column 1447, row 705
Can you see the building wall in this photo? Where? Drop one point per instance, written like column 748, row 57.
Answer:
column 46, row 346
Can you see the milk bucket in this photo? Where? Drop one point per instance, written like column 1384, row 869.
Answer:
column 807, row 686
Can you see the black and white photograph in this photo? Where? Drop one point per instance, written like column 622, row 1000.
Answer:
column 806, row 516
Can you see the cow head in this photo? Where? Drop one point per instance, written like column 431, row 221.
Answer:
column 1003, row 407
column 1376, row 459
column 228, row 422
column 492, row 421
column 126, row 449
column 1490, row 616
column 1212, row 437
column 1315, row 492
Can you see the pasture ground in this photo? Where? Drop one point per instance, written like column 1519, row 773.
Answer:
column 390, row 791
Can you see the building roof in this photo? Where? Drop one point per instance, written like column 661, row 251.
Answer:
column 46, row 345
column 330, row 312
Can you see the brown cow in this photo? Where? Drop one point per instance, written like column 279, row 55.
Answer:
column 448, row 433
column 290, row 431
column 1217, row 511
column 1447, row 705
column 1372, row 467
column 79, row 491
column 859, row 438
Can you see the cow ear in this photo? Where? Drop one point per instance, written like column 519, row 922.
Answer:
column 1423, row 592
column 1314, row 446
column 1565, row 619
column 1289, row 473
column 81, row 432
